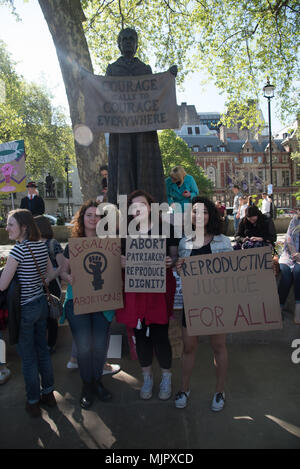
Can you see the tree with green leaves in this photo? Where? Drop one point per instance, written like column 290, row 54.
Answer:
column 238, row 43
column 295, row 155
column 26, row 113
column 175, row 152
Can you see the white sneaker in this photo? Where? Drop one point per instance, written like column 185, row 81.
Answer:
column 72, row 365
column 165, row 388
column 111, row 369
column 218, row 401
column 181, row 399
column 146, row 390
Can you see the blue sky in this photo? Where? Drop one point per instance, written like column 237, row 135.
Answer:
column 31, row 46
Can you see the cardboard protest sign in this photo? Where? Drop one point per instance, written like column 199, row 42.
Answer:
column 97, row 275
column 129, row 104
column 178, row 298
column 12, row 167
column 230, row 292
column 145, row 269
column 175, row 337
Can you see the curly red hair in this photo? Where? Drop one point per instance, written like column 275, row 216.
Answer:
column 78, row 220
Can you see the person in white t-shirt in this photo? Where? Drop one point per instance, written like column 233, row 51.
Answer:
column 266, row 205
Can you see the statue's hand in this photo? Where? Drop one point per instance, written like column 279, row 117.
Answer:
column 173, row 70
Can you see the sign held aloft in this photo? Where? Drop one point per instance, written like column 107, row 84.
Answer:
column 129, row 104
column 230, row 292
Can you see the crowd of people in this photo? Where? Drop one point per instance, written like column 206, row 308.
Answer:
column 36, row 255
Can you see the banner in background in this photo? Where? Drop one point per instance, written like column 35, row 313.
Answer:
column 129, row 104
column 12, row 167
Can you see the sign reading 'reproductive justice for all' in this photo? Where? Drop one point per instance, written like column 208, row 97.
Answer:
column 130, row 104
column 230, row 292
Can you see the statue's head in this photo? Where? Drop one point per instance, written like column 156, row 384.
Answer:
column 128, row 42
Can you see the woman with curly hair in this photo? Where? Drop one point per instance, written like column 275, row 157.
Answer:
column 90, row 331
column 214, row 242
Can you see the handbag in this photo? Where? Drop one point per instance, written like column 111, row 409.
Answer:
column 54, row 304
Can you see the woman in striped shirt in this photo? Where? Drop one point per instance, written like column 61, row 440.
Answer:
column 32, row 345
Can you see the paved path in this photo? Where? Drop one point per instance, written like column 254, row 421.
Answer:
column 262, row 409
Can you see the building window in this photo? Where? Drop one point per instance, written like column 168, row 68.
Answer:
column 284, row 158
column 285, row 178
column 190, row 130
column 209, row 148
column 248, row 159
column 197, row 130
column 211, row 174
column 274, row 177
column 236, row 159
column 222, row 149
column 196, row 148
column 259, row 159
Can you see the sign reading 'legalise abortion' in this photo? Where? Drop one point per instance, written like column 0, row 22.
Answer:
column 96, row 274
column 130, row 104
column 230, row 292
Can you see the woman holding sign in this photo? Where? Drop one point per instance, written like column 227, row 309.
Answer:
column 148, row 313
column 289, row 263
column 90, row 331
column 214, row 242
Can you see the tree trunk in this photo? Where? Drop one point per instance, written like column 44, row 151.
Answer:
column 64, row 19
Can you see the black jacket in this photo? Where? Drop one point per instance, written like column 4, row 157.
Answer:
column 36, row 205
column 264, row 228
column 10, row 299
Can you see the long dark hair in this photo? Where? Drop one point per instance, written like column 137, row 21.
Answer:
column 214, row 225
column 253, row 211
column 25, row 219
column 44, row 226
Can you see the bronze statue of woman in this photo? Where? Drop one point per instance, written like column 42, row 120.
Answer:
column 134, row 159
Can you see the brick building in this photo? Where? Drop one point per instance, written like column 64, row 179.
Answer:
column 234, row 155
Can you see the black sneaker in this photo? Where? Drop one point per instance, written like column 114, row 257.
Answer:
column 87, row 396
column 101, row 392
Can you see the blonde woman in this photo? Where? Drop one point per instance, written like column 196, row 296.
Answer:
column 181, row 187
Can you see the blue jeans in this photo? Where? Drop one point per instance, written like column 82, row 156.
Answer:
column 236, row 222
column 91, row 334
column 287, row 278
column 33, row 349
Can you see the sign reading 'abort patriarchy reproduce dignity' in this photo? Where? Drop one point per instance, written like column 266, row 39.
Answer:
column 230, row 292
column 145, row 269
column 130, row 104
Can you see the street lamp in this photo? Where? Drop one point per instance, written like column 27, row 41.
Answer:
column 67, row 162
column 269, row 94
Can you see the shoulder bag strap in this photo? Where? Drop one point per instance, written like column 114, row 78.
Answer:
column 40, row 274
